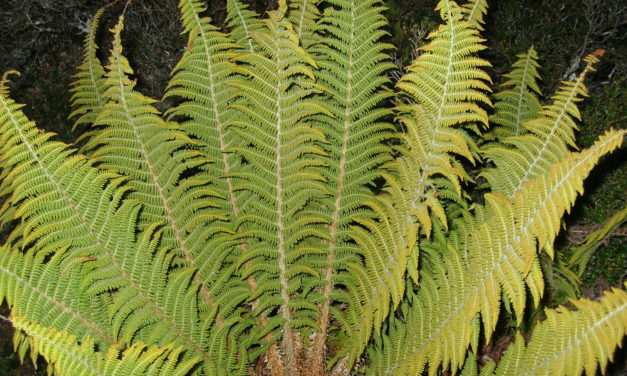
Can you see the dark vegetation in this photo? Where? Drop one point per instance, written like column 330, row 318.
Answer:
column 43, row 40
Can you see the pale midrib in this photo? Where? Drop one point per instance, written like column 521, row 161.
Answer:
column 218, row 114
column 59, row 304
column 448, row 73
column 329, row 270
column 548, row 140
column 88, row 226
column 279, row 198
column 169, row 217
column 574, row 343
column 472, row 10
column 301, row 20
column 503, row 257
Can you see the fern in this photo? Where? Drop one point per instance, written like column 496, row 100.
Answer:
column 595, row 330
column 67, row 357
column 295, row 214
column 518, row 103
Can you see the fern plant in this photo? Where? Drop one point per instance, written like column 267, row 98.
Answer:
column 295, row 212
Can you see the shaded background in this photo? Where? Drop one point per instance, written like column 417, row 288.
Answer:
column 43, row 40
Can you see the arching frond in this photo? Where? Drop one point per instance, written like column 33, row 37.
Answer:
column 160, row 161
column 568, row 342
column 67, row 356
column 44, row 292
column 501, row 248
column 66, row 205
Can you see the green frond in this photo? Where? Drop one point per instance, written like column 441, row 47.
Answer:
column 68, row 356
column 44, row 291
column 474, row 11
column 568, row 342
column 200, row 80
column 243, row 22
column 291, row 214
column 89, row 83
column 447, row 84
column 501, row 245
column 53, row 191
column 158, row 158
column 353, row 67
column 517, row 103
column 523, row 158
column 283, row 156
column 304, row 15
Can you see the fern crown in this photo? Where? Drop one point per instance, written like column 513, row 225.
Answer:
column 294, row 211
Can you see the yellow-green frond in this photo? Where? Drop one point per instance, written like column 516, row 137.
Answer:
column 569, row 342
column 501, row 248
column 582, row 253
column 53, row 191
column 276, row 105
column 474, row 11
column 67, row 356
column 353, row 67
column 549, row 137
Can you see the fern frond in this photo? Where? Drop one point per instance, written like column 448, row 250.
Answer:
column 281, row 149
column 448, row 84
column 581, row 255
column 474, row 11
column 304, row 15
column 53, row 191
column 67, row 356
column 518, row 103
column 569, row 342
column 155, row 155
column 353, row 67
column 243, row 22
column 89, row 83
column 550, row 135
column 501, row 246
column 44, row 291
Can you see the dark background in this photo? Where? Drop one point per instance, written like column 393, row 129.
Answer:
column 43, row 40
